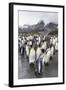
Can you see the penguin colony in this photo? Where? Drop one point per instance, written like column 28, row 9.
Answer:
column 38, row 49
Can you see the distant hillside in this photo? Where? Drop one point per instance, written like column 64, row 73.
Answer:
column 39, row 27
column 51, row 25
column 53, row 32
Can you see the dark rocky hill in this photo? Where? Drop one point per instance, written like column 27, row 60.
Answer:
column 40, row 27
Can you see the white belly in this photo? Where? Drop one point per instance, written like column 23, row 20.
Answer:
column 32, row 57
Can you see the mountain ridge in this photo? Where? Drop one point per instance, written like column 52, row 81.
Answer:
column 39, row 27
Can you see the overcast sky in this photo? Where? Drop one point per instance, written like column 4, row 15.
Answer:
column 31, row 17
